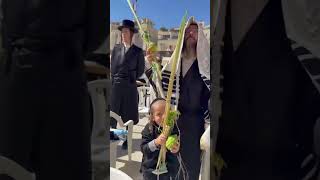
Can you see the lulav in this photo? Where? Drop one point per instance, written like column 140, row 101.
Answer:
column 151, row 47
column 169, row 115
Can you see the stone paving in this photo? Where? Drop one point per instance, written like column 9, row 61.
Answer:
column 132, row 168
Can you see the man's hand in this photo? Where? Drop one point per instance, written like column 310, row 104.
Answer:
column 175, row 147
column 149, row 55
column 161, row 140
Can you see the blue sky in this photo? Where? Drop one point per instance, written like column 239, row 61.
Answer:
column 166, row 13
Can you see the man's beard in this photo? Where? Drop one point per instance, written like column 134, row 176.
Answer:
column 190, row 37
column 191, row 43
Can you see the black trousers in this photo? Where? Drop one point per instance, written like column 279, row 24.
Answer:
column 44, row 124
column 124, row 102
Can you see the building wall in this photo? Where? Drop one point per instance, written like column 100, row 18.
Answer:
column 164, row 45
column 163, row 39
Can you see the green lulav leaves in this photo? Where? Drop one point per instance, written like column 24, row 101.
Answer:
column 146, row 37
column 172, row 117
column 152, row 47
column 168, row 115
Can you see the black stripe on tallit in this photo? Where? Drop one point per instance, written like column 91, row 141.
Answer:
column 166, row 71
column 173, row 102
column 165, row 88
column 206, row 80
column 300, row 51
column 312, row 65
column 207, row 117
column 165, row 76
column 206, row 113
column 166, row 80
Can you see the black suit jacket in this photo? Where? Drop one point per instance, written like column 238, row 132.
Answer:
column 129, row 65
column 84, row 22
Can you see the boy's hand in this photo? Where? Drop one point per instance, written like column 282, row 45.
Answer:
column 161, row 140
column 175, row 147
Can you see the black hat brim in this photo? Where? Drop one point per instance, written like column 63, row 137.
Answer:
column 134, row 30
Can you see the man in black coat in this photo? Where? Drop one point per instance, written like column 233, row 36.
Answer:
column 269, row 104
column 44, row 122
column 127, row 65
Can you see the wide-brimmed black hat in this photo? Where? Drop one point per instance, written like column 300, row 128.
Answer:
column 128, row 24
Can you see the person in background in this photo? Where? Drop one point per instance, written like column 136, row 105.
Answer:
column 127, row 65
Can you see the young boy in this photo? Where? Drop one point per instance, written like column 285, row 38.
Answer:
column 153, row 139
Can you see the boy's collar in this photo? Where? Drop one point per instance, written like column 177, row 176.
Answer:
column 158, row 127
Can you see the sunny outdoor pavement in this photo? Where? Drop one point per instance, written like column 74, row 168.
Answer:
column 132, row 168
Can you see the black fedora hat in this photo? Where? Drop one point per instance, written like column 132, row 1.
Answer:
column 128, row 24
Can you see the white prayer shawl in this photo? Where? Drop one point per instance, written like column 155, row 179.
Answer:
column 203, row 57
column 302, row 20
column 244, row 14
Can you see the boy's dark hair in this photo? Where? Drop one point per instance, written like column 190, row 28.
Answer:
column 154, row 101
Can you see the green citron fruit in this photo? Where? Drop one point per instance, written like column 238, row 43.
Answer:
column 172, row 140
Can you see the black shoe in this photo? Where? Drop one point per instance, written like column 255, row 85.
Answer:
column 125, row 145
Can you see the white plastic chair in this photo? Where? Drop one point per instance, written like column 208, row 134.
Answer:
column 113, row 153
column 128, row 124
column 14, row 170
column 100, row 145
column 144, row 100
column 117, row 174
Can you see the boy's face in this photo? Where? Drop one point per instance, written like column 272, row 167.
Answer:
column 158, row 110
